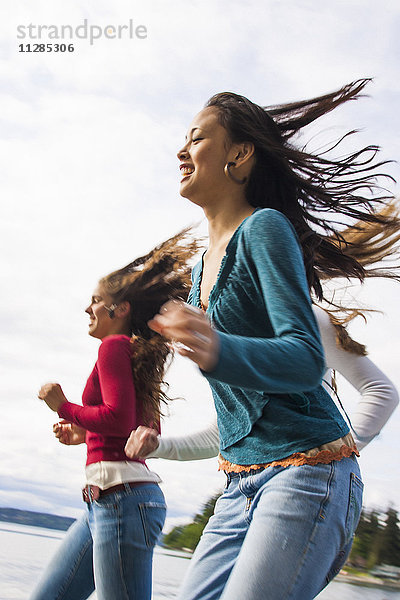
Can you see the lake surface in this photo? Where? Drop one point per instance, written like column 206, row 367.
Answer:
column 24, row 551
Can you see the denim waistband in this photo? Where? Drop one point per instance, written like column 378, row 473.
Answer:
column 242, row 474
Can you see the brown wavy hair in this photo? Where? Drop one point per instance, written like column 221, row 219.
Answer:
column 319, row 194
column 376, row 247
column 147, row 283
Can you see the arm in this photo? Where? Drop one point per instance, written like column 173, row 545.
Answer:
column 196, row 446
column 292, row 360
column 378, row 396
column 115, row 416
column 144, row 443
column 288, row 362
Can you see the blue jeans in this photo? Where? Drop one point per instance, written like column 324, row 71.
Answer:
column 110, row 549
column 277, row 534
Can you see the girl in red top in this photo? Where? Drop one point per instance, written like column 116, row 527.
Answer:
column 110, row 547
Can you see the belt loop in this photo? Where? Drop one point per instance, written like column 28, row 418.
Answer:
column 127, row 487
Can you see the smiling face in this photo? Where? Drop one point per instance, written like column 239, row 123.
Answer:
column 203, row 157
column 101, row 324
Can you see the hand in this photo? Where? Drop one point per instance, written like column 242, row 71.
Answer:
column 69, row 433
column 53, row 395
column 189, row 326
column 141, row 442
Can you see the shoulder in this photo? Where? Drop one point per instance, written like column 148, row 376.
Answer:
column 323, row 320
column 115, row 344
column 269, row 232
column 197, row 269
column 327, row 331
column 267, row 219
column 270, row 224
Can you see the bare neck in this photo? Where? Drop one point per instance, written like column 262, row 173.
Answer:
column 223, row 220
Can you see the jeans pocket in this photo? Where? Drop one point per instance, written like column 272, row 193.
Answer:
column 354, row 506
column 107, row 502
column 152, row 515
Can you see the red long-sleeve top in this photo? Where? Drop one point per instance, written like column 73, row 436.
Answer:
column 110, row 410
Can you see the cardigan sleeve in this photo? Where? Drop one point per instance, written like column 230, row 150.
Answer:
column 292, row 360
column 195, row 446
column 378, row 396
column 116, row 415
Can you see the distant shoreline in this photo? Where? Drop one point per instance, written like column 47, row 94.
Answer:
column 35, row 519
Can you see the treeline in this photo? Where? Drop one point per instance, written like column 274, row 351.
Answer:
column 377, row 539
column 187, row 536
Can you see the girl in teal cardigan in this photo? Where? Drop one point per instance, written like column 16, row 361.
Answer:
column 284, row 525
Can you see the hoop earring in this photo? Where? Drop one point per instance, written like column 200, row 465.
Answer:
column 228, row 173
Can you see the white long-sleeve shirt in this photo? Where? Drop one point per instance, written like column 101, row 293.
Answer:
column 378, row 400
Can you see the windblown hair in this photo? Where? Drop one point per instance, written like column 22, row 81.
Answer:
column 319, row 195
column 372, row 245
column 147, row 283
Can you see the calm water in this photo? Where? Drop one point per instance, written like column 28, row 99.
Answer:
column 24, row 551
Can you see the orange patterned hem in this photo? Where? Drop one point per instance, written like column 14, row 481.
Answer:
column 297, row 459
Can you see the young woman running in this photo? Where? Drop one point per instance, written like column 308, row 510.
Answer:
column 284, row 525
column 110, row 548
column 370, row 244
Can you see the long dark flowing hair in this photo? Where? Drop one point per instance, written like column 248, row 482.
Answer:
column 147, row 283
column 314, row 192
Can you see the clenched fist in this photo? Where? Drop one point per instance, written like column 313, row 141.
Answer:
column 141, row 442
column 69, row 433
column 53, row 395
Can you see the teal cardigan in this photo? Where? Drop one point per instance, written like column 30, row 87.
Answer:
column 267, row 382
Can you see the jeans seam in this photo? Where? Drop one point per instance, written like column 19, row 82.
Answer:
column 344, row 551
column 143, row 519
column 355, row 482
column 317, row 520
column 121, row 564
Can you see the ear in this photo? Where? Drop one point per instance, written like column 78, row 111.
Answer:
column 123, row 309
column 243, row 153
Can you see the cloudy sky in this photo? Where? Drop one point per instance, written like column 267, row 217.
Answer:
column 89, row 180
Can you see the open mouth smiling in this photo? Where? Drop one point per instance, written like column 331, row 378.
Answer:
column 186, row 170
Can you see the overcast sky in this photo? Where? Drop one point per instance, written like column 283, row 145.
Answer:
column 89, row 181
